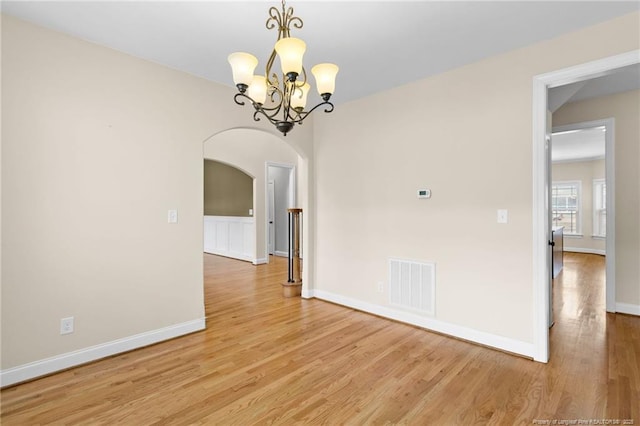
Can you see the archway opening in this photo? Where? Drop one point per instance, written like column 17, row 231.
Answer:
column 254, row 152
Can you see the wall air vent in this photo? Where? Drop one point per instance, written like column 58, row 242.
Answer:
column 412, row 285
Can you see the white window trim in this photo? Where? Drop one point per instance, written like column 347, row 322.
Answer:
column 580, row 210
column 595, row 224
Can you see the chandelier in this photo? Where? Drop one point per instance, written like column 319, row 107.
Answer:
column 283, row 104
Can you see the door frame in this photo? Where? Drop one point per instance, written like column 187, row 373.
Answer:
column 541, row 226
column 610, row 239
column 271, row 217
column 291, row 197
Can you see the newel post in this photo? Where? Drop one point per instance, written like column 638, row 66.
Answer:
column 293, row 286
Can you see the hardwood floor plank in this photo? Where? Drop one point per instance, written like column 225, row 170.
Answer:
column 265, row 359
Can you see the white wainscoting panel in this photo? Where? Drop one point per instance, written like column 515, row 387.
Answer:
column 229, row 236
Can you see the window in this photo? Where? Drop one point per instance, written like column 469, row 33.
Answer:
column 599, row 208
column 565, row 205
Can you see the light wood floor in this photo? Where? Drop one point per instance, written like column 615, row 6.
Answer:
column 268, row 360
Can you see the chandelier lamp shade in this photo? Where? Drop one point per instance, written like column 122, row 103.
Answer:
column 282, row 100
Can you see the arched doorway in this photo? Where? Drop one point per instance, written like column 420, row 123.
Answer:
column 252, row 151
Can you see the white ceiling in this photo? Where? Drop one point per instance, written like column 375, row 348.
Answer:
column 615, row 81
column 620, row 80
column 578, row 145
column 378, row 45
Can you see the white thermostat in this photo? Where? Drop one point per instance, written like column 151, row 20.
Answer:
column 424, row 193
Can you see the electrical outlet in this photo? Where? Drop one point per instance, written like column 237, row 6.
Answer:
column 380, row 287
column 66, row 325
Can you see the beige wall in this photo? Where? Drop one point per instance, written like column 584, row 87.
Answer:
column 228, row 191
column 584, row 172
column 250, row 150
column 467, row 135
column 625, row 109
column 96, row 147
column 81, row 120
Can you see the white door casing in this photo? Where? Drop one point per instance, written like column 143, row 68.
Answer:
column 271, row 226
column 290, row 201
column 541, row 184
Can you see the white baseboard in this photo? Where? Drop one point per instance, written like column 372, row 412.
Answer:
column 281, row 253
column 585, row 250
column 42, row 367
column 472, row 335
column 626, row 308
column 260, row 261
column 232, row 255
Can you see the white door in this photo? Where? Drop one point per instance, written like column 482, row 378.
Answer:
column 271, row 197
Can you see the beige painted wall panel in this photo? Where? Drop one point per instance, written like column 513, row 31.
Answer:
column 96, row 147
column 585, row 172
column 466, row 135
column 228, row 191
column 625, row 109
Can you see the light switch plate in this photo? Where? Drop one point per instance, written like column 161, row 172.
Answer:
column 172, row 216
column 503, row 216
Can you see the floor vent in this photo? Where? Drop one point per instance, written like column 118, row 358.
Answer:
column 412, row 285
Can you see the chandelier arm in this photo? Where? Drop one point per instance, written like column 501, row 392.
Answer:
column 274, row 18
column 296, row 22
column 296, row 117
column 304, row 114
column 259, row 108
column 329, row 107
column 287, row 102
column 327, row 110
column 302, row 80
column 276, row 97
column 241, row 95
column 272, row 79
column 275, row 109
column 269, row 113
column 269, row 117
column 290, row 20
